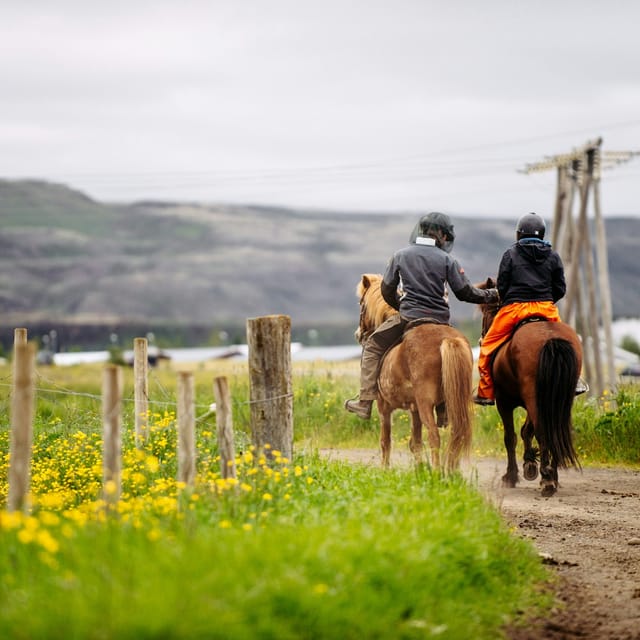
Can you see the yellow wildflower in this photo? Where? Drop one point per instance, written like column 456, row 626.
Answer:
column 47, row 541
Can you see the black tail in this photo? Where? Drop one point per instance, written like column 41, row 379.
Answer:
column 555, row 390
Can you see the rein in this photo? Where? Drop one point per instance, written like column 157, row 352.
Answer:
column 489, row 312
column 363, row 335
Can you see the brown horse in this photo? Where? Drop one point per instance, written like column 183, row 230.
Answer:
column 537, row 368
column 430, row 369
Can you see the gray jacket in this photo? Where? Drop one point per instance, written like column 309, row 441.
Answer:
column 415, row 281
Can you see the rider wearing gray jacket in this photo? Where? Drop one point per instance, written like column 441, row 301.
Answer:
column 415, row 283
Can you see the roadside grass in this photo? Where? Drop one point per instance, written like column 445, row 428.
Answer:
column 607, row 429
column 307, row 549
column 293, row 549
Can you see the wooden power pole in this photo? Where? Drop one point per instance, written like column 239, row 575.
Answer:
column 583, row 248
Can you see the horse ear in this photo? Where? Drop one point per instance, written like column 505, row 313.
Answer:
column 366, row 282
column 491, row 283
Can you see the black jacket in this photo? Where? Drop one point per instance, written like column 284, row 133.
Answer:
column 421, row 272
column 531, row 271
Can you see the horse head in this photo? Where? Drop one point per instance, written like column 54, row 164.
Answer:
column 373, row 309
column 489, row 310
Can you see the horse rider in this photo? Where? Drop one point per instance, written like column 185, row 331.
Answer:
column 530, row 282
column 415, row 283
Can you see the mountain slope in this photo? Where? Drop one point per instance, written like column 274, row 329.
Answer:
column 67, row 258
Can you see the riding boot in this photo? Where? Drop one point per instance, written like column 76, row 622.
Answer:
column 362, row 408
column 484, row 393
column 485, row 402
column 368, row 386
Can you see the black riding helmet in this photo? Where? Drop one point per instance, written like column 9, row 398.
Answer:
column 437, row 226
column 530, row 225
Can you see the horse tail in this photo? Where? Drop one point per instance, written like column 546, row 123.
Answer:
column 457, row 372
column 556, row 380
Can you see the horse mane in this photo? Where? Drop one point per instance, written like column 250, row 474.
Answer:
column 376, row 310
column 488, row 310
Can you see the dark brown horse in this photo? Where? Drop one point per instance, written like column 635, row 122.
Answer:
column 429, row 370
column 537, row 369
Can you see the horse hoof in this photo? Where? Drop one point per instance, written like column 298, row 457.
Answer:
column 530, row 470
column 548, row 490
column 508, row 482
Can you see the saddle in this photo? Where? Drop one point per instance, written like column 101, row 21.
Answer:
column 412, row 324
column 517, row 326
column 527, row 321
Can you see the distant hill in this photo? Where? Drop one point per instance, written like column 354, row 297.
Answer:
column 67, row 259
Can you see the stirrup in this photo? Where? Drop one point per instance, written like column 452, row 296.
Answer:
column 581, row 387
column 362, row 408
column 485, row 402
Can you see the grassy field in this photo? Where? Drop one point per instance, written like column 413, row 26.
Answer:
column 299, row 548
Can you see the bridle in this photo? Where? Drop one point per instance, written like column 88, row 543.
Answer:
column 361, row 335
column 489, row 312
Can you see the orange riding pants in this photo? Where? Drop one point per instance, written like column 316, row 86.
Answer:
column 501, row 328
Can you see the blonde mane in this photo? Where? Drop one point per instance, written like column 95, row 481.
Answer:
column 376, row 310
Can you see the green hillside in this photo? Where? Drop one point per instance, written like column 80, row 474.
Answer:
column 65, row 258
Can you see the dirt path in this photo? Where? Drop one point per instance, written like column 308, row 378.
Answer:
column 589, row 533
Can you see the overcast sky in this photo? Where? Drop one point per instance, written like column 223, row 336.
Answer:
column 402, row 105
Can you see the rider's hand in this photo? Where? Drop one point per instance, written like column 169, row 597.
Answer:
column 492, row 296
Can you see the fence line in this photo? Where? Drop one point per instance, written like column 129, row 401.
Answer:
column 272, row 374
column 166, row 403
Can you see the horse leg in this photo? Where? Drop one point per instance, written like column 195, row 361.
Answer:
column 530, row 459
column 434, row 442
column 415, row 442
column 433, row 436
column 510, row 478
column 548, row 472
column 442, row 419
column 385, row 432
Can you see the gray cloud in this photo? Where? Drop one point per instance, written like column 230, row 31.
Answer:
column 359, row 105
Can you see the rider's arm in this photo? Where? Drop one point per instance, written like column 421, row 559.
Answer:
column 558, row 284
column 389, row 284
column 504, row 275
column 464, row 290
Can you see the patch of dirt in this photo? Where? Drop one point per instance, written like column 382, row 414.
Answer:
column 588, row 534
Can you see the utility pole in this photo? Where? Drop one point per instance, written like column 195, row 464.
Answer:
column 587, row 303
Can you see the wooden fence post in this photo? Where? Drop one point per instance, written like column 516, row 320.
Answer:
column 270, row 389
column 141, row 389
column 224, row 423
column 186, row 429
column 111, row 421
column 19, row 336
column 22, row 401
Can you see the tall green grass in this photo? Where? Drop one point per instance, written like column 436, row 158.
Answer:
column 607, row 430
column 343, row 551
column 293, row 549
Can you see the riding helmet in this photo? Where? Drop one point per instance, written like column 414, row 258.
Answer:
column 435, row 222
column 530, row 225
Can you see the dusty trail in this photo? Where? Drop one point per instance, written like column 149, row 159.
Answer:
column 589, row 533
